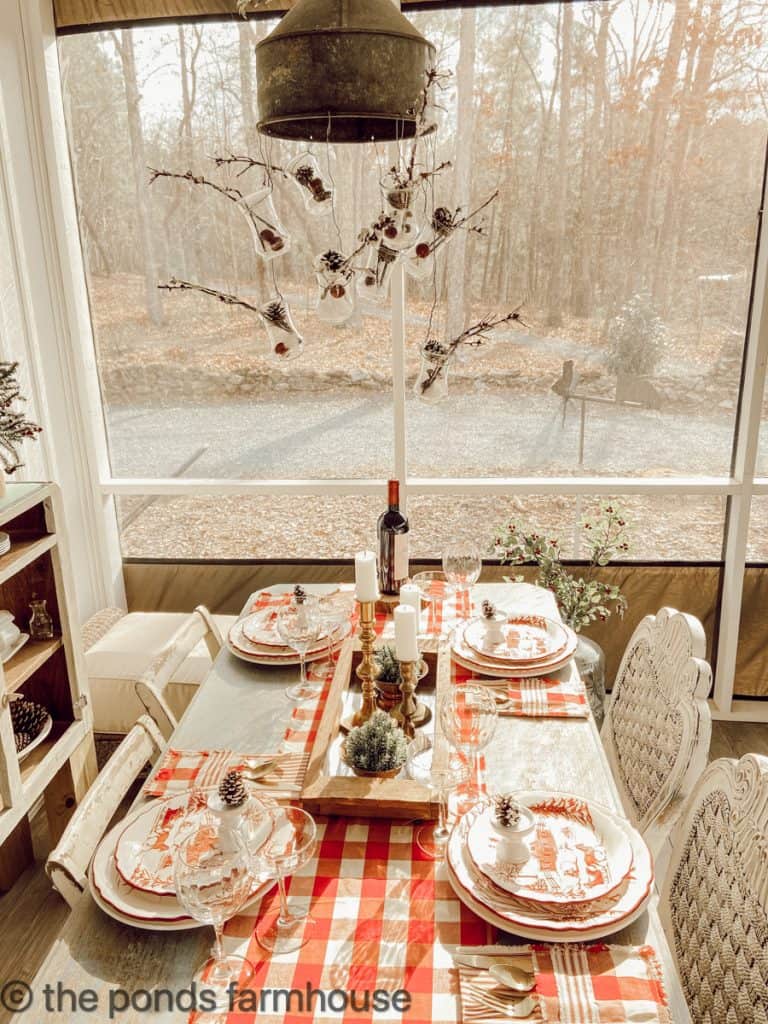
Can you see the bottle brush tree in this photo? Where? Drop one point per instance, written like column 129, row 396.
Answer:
column 15, row 428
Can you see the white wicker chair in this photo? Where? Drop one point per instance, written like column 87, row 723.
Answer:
column 657, row 726
column 67, row 864
column 150, row 688
column 714, row 904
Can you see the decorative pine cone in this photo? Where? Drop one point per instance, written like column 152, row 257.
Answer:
column 299, row 594
column 435, row 347
column 333, row 260
column 304, row 175
column 442, row 220
column 489, row 609
column 232, row 789
column 27, row 717
column 507, row 810
column 22, row 740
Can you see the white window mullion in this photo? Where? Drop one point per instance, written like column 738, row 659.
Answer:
column 745, row 461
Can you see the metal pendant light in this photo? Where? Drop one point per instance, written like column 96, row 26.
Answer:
column 342, row 71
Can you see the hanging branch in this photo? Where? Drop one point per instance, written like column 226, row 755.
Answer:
column 233, row 194
column 248, row 162
column 230, row 300
column 410, row 177
column 444, row 223
column 474, row 336
column 14, row 427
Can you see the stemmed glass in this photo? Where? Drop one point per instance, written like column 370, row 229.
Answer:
column 213, row 879
column 468, row 717
column 299, row 626
column 432, row 838
column 290, row 846
column 335, row 611
column 462, row 564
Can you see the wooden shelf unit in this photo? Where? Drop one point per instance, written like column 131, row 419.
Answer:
column 50, row 672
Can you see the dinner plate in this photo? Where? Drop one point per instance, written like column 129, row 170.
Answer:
column 495, row 666
column 597, row 920
column 134, row 907
column 499, row 672
column 259, row 630
column 528, row 639
column 239, row 639
column 579, row 852
column 144, row 851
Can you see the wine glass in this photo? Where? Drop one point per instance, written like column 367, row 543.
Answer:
column 432, row 838
column 299, row 626
column 213, row 879
column 433, row 586
column 468, row 717
column 462, row 564
column 335, row 611
column 289, row 847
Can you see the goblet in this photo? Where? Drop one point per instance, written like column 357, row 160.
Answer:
column 468, row 718
column 289, row 847
column 432, row 838
column 335, row 611
column 298, row 625
column 213, row 880
column 434, row 587
column 462, row 564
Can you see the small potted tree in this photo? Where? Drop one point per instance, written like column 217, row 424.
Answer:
column 377, row 749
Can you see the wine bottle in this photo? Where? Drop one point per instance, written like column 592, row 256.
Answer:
column 392, row 529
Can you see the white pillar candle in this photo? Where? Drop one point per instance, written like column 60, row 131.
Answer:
column 366, row 582
column 410, row 594
column 406, row 643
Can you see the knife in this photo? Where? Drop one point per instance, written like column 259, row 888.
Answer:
column 486, row 960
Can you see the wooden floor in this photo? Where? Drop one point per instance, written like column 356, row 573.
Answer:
column 31, row 914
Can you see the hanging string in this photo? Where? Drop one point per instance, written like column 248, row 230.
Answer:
column 431, row 186
column 333, row 183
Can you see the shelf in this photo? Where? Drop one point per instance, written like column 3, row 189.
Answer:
column 30, row 764
column 22, row 553
column 30, row 658
column 19, row 497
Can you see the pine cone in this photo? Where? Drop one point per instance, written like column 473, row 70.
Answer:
column 299, row 594
column 304, row 175
column 442, row 220
column 489, row 609
column 232, row 789
column 27, row 717
column 333, row 260
column 507, row 810
column 22, row 740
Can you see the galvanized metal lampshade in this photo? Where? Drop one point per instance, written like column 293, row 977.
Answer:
column 342, row 71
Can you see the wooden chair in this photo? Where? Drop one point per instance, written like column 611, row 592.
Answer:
column 658, row 725
column 67, row 865
column 714, row 904
column 150, row 688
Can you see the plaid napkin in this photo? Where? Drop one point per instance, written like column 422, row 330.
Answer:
column 595, row 984
column 181, row 770
column 546, row 698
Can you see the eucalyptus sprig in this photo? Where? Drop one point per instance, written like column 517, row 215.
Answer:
column 581, row 600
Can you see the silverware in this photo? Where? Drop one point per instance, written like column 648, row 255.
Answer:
column 506, row 1005
column 513, row 977
column 485, row 960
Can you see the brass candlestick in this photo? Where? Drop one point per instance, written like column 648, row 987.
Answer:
column 366, row 670
column 405, row 712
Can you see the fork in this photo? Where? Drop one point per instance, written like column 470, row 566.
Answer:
column 511, row 1006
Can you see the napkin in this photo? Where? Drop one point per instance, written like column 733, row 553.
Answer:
column 542, row 697
column 181, row 770
column 577, row 984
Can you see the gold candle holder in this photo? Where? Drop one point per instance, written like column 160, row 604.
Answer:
column 405, row 713
column 366, row 670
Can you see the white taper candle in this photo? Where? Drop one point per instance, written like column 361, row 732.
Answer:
column 406, row 629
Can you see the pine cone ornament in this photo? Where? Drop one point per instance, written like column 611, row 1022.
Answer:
column 232, row 789
column 489, row 609
column 27, row 717
column 22, row 740
column 304, row 175
column 332, row 260
column 299, row 594
column 507, row 810
column 442, row 220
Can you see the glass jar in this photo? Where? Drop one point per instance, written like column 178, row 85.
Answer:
column 419, row 263
column 376, row 277
column 336, row 303
column 40, row 621
column 270, row 239
column 316, row 192
column 403, row 228
column 284, row 339
column 432, row 382
column 590, row 661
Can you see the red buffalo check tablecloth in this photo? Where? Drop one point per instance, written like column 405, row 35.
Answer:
column 386, row 918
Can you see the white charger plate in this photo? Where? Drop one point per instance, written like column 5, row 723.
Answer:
column 610, row 914
column 528, row 639
column 579, row 851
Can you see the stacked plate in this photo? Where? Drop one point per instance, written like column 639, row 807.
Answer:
column 255, row 638
column 531, row 645
column 589, row 873
column 131, row 874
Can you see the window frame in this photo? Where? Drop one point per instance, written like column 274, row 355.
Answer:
column 44, row 108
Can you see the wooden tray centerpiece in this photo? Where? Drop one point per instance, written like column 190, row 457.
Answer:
column 330, row 787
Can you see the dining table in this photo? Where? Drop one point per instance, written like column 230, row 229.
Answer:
column 243, row 707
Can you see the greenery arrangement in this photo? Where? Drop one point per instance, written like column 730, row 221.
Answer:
column 14, row 427
column 379, row 745
column 388, row 667
column 580, row 599
column 637, row 338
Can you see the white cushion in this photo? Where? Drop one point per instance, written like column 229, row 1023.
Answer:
column 121, row 657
